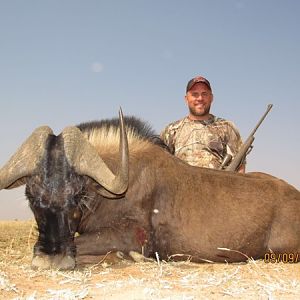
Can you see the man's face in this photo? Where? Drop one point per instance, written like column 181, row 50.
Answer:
column 199, row 99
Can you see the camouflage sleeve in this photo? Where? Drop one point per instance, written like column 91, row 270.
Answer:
column 234, row 139
column 167, row 135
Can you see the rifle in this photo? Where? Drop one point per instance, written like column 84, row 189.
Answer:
column 246, row 148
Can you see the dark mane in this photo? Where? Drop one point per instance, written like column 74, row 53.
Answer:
column 140, row 128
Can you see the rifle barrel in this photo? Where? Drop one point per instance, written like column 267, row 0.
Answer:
column 240, row 156
column 262, row 119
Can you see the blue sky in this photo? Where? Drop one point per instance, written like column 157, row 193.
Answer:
column 65, row 62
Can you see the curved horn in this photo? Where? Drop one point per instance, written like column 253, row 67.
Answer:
column 86, row 161
column 24, row 161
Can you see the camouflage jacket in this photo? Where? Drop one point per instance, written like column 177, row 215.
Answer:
column 202, row 143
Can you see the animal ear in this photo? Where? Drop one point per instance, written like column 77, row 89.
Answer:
column 24, row 162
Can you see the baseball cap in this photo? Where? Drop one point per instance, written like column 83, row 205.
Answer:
column 195, row 80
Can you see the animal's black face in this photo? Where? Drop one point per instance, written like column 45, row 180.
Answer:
column 56, row 207
column 58, row 195
column 54, row 196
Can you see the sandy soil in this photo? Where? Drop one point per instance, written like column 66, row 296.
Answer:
column 145, row 280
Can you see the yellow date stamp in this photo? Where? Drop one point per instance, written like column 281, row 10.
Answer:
column 287, row 258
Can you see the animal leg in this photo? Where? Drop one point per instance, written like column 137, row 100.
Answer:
column 110, row 240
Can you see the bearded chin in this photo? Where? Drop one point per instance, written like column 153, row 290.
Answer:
column 199, row 114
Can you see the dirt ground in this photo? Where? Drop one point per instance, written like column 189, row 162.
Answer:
column 129, row 280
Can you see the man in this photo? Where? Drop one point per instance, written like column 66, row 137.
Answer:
column 202, row 139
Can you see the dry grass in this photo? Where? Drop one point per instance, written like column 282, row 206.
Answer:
column 128, row 280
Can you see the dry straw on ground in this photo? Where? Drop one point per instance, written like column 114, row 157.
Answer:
column 145, row 280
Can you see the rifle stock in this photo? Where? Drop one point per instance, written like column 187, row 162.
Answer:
column 241, row 155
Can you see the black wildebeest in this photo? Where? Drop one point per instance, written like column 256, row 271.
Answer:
column 123, row 192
